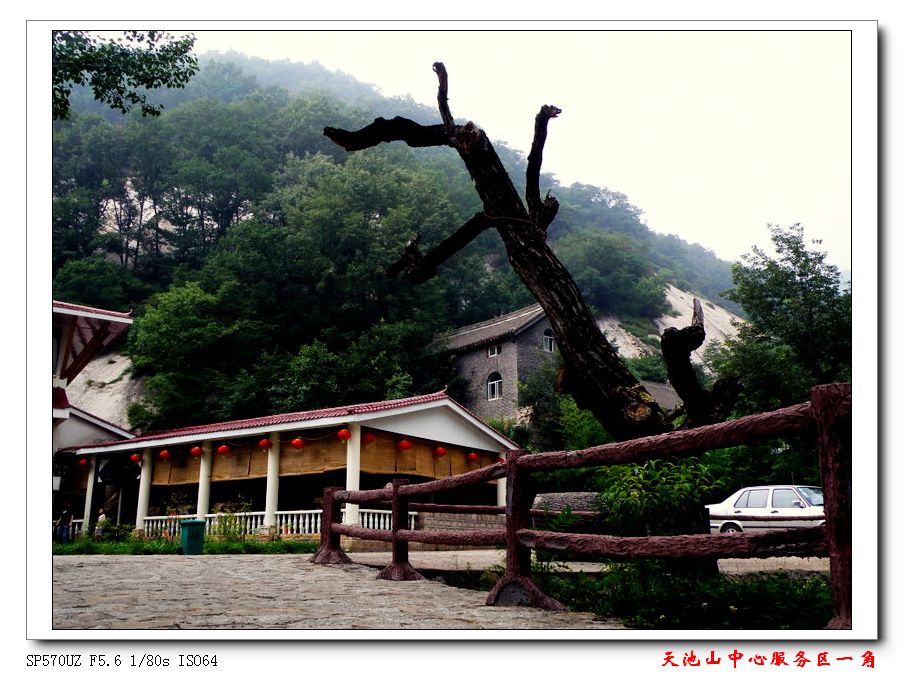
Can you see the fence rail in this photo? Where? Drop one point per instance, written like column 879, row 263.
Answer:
column 826, row 417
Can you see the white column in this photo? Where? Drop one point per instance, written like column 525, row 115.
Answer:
column 204, row 480
column 353, row 470
column 144, row 488
column 500, row 491
column 272, row 502
column 89, row 493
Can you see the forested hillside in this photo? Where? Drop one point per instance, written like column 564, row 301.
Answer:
column 253, row 250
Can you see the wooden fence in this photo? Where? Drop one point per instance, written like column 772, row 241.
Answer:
column 827, row 417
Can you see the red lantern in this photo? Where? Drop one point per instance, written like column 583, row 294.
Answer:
column 369, row 438
column 298, row 443
column 164, row 454
column 344, row 435
column 473, row 457
column 264, row 444
column 404, row 445
column 135, row 457
column 196, row 451
column 83, row 461
column 439, row 451
column 223, row 449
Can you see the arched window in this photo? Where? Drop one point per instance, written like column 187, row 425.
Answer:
column 549, row 341
column 494, row 386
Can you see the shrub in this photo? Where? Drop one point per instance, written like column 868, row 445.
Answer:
column 115, row 532
column 649, row 594
column 224, row 547
column 659, row 497
column 159, row 546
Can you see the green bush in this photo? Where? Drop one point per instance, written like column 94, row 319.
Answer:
column 658, row 497
column 137, row 546
column 651, row 594
column 81, row 546
column 651, row 367
column 110, row 531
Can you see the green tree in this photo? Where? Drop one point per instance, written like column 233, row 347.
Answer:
column 798, row 335
column 613, row 273
column 294, row 311
column 117, row 70
column 798, row 332
column 97, row 282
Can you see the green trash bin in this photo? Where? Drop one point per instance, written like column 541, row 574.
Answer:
column 192, row 536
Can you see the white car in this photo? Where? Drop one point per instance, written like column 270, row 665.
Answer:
column 783, row 506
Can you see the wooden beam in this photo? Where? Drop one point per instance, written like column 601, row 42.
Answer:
column 88, row 351
column 781, row 542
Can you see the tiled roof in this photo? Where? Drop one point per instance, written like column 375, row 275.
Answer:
column 90, row 310
column 282, row 418
column 493, row 330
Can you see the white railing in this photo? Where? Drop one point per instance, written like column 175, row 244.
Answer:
column 298, row 521
column 293, row 522
column 76, row 528
column 379, row 519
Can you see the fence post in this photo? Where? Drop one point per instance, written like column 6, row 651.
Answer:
column 330, row 551
column 515, row 587
column 400, row 569
column 832, row 411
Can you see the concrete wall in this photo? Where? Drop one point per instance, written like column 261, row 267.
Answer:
column 75, row 431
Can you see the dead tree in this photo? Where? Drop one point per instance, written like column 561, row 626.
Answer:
column 593, row 372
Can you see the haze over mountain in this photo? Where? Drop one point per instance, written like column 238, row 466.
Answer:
column 254, row 251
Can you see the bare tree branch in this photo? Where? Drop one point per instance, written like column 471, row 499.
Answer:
column 541, row 211
column 442, row 95
column 593, row 371
column 702, row 406
column 418, row 269
column 397, row 129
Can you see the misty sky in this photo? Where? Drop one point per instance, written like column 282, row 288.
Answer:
column 713, row 134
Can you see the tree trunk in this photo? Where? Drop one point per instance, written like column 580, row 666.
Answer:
column 593, row 372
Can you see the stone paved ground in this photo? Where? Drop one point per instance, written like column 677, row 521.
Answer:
column 242, row 592
column 245, row 592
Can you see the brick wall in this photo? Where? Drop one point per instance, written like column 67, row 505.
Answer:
column 476, row 366
column 518, row 359
column 445, row 521
column 531, row 355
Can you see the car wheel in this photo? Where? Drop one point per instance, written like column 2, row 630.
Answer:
column 730, row 529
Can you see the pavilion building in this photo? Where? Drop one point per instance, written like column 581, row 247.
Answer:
column 278, row 465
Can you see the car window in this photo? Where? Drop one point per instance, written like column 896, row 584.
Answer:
column 813, row 494
column 758, row 498
column 785, row 498
column 753, row 498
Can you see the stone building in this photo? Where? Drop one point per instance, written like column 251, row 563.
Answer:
column 495, row 356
